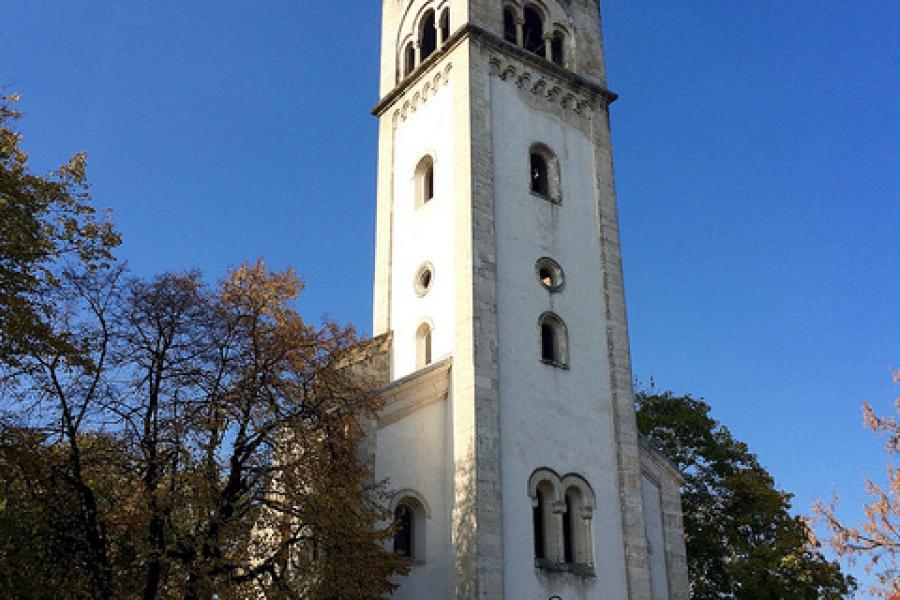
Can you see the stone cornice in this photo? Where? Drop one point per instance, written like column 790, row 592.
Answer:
column 415, row 391
column 660, row 460
column 578, row 83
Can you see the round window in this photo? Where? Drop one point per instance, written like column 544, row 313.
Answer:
column 549, row 274
column 424, row 279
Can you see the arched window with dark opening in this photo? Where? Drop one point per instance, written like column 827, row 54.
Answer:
column 533, row 31
column 423, row 346
column 554, row 345
column 409, row 59
column 445, row 25
column 557, row 49
column 568, row 532
column 540, row 181
column 509, row 25
column 544, row 176
column 427, row 35
column 424, row 180
column 537, row 516
column 403, row 530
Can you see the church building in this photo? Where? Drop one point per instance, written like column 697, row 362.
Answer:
column 508, row 428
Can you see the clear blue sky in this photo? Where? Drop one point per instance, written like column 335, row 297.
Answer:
column 756, row 159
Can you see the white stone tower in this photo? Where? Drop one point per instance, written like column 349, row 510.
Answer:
column 508, row 427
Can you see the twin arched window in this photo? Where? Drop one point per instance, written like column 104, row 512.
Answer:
column 562, row 508
column 430, row 35
column 526, row 29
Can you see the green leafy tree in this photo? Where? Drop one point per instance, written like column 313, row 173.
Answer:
column 47, row 223
column 742, row 541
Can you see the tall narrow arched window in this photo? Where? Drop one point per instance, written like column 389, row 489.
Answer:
column 409, row 59
column 427, row 35
column 579, row 505
column 445, row 25
column 509, row 25
column 423, row 346
column 533, row 31
column 557, row 48
column 543, row 489
column 403, row 530
column 410, row 515
column 544, row 176
column 554, row 345
column 424, row 180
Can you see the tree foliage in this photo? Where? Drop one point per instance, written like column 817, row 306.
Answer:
column 46, row 223
column 877, row 539
column 742, row 541
column 201, row 443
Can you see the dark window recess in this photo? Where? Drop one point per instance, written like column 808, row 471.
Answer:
column 445, row 24
column 546, row 277
column 568, row 533
column 428, row 184
column 556, row 49
column 403, row 531
column 509, row 26
column 428, row 35
column 548, row 342
column 538, row 520
column 409, row 59
column 540, row 183
column 534, row 31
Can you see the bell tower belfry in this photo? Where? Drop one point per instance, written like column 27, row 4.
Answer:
column 508, row 427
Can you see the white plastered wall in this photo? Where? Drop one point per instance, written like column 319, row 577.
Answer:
column 412, row 455
column 550, row 417
column 423, row 234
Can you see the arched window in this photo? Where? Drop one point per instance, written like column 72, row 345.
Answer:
column 424, row 177
column 540, row 183
column 579, row 503
column 409, row 59
column 533, row 31
column 509, row 25
column 445, row 25
column 404, row 523
column 544, row 173
column 427, row 35
column 410, row 513
column 554, row 345
column 423, row 346
column 557, row 48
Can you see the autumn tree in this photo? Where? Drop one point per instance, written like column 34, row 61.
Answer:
column 743, row 543
column 230, row 427
column 877, row 539
column 47, row 223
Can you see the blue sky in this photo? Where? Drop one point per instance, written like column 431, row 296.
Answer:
column 756, row 153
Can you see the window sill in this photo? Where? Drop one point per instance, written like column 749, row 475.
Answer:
column 556, row 364
column 545, row 198
column 579, row 569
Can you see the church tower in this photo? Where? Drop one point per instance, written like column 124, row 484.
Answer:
column 508, row 426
